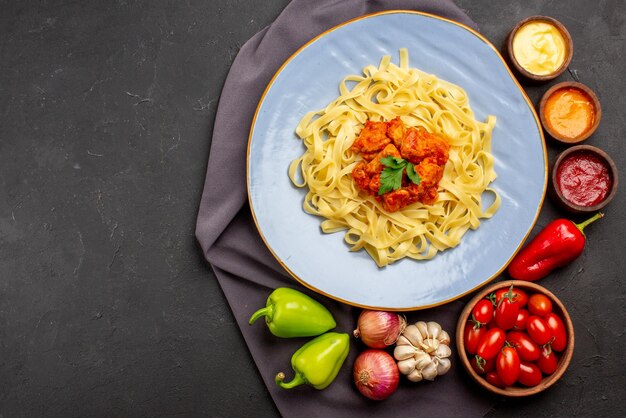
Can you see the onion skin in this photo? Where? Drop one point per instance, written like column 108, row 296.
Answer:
column 379, row 329
column 376, row 374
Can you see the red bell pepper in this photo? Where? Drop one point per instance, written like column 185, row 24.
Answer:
column 558, row 244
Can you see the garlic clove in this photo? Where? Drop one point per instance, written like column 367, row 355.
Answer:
column 443, row 366
column 402, row 340
column 434, row 329
column 407, row 366
column 415, row 376
column 443, row 351
column 423, row 328
column 413, row 335
column 430, row 345
column 444, row 338
column 422, row 359
column 403, row 352
column 430, row 372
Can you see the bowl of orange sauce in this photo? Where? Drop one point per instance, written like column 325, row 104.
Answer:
column 584, row 179
column 539, row 48
column 570, row 112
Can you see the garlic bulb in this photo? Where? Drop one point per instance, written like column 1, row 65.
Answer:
column 422, row 351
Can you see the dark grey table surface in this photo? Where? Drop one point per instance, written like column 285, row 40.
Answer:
column 106, row 305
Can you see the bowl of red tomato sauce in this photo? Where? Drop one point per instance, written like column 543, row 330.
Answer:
column 515, row 338
column 584, row 179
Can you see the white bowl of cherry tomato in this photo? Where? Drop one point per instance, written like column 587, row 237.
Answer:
column 515, row 338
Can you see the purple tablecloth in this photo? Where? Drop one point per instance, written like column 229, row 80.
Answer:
column 246, row 270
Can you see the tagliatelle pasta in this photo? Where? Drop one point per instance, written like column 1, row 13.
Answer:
column 417, row 231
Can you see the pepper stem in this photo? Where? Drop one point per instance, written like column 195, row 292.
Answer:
column 298, row 380
column 262, row 312
column 594, row 218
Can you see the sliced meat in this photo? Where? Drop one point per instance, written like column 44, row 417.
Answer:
column 372, row 138
column 360, row 176
column 395, row 131
column 429, row 171
column 418, row 144
column 396, row 200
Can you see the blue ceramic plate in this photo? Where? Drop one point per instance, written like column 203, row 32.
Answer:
column 309, row 80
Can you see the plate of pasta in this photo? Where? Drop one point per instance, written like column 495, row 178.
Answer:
column 395, row 163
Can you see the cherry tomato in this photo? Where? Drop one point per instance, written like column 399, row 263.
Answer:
column 547, row 361
column 488, row 366
column 520, row 322
column 491, row 343
column 539, row 305
column 472, row 336
column 518, row 295
column 507, row 366
column 529, row 374
column 524, row 345
column 492, row 377
column 558, row 331
column 538, row 330
column 483, row 311
column 506, row 311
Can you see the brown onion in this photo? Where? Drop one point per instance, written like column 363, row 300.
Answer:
column 378, row 329
column 376, row 374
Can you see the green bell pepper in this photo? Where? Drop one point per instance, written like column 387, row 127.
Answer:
column 290, row 313
column 317, row 362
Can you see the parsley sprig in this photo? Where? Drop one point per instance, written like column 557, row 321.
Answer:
column 391, row 177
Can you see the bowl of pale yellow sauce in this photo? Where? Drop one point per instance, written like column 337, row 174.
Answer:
column 539, row 48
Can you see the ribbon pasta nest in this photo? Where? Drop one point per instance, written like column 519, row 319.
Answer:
column 421, row 101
